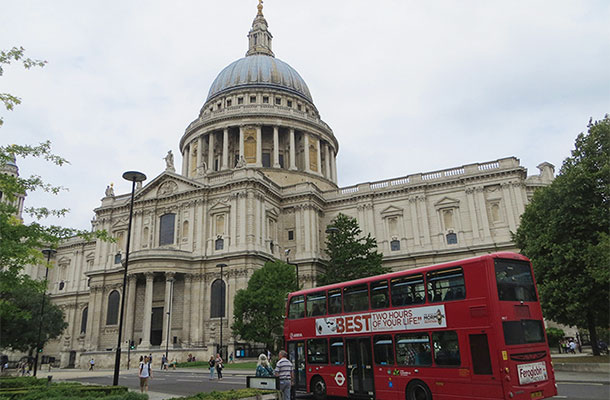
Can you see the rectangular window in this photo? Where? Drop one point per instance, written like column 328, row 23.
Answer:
column 289, row 103
column 395, row 245
column 229, row 102
column 356, row 298
column 334, row 301
column 515, row 281
column 316, row 304
column 299, row 107
column 446, row 348
column 380, row 298
column 252, row 99
column 266, row 160
column 479, row 352
column 166, row 229
column 317, row 351
column 337, row 355
column 446, row 285
column 413, row 349
column 278, row 101
column 297, row 307
column 240, row 100
column 266, row 99
column 117, row 258
column 522, row 332
column 290, row 235
column 383, row 349
column 407, row 290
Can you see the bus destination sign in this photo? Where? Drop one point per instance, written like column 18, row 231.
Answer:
column 380, row 321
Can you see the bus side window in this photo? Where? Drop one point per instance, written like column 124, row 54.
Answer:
column 316, row 304
column 379, row 295
column 383, row 349
column 407, row 290
column 297, row 307
column 356, row 298
column 334, row 301
column 413, row 349
column 337, row 355
column 446, row 348
column 446, row 285
column 317, row 351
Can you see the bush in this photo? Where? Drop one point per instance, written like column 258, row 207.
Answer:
column 554, row 335
column 228, row 395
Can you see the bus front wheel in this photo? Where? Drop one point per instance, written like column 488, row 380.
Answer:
column 318, row 387
column 417, row 390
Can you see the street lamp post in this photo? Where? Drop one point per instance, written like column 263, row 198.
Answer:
column 133, row 177
column 48, row 253
column 222, row 312
column 296, row 266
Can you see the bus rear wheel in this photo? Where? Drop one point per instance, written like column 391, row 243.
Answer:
column 318, row 387
column 417, row 390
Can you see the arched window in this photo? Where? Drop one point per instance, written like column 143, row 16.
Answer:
column 83, row 320
column 185, row 229
column 217, row 306
column 112, row 316
column 452, row 238
column 166, row 229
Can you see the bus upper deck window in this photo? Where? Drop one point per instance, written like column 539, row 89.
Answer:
column 297, row 307
column 446, row 285
column 407, row 290
column 334, row 301
column 514, row 280
column 356, row 298
column 316, row 304
column 380, row 297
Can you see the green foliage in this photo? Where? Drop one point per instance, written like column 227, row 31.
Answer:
column 564, row 231
column 554, row 335
column 259, row 310
column 351, row 255
column 20, row 318
column 6, row 57
column 30, row 388
column 228, row 395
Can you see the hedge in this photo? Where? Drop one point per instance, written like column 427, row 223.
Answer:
column 228, row 395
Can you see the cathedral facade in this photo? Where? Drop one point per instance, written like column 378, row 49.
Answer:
column 258, row 178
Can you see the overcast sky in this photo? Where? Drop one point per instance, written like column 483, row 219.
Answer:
column 407, row 86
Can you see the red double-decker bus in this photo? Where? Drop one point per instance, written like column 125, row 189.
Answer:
column 469, row 329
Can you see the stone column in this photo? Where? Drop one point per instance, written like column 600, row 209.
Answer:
column 276, row 147
column 472, row 211
column 148, row 298
column 211, row 152
column 167, row 305
column 328, row 174
column 241, row 142
column 199, row 153
column 506, row 193
column 319, row 156
column 306, row 152
column 333, row 165
column 131, row 306
column 225, row 149
column 259, row 146
column 186, row 309
column 185, row 160
column 424, row 218
column 242, row 199
column 414, row 221
column 195, row 309
column 480, row 195
column 293, row 164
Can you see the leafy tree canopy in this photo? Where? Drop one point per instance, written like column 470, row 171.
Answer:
column 20, row 318
column 351, row 255
column 564, row 231
column 6, row 57
column 259, row 310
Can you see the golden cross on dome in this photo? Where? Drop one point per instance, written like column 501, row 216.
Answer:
column 260, row 7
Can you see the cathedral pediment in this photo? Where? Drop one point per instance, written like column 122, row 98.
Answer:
column 165, row 185
column 447, row 202
column 391, row 211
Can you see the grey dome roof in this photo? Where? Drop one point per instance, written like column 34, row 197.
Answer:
column 259, row 71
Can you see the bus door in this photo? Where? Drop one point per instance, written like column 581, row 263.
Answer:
column 296, row 354
column 485, row 382
column 359, row 368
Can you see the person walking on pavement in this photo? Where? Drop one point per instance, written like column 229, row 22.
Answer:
column 283, row 370
column 91, row 364
column 145, row 373
column 219, row 366
column 212, row 364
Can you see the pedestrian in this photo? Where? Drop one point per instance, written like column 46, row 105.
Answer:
column 572, row 347
column 283, row 370
column 163, row 362
column 91, row 364
column 212, row 364
column 149, row 359
column 219, row 366
column 173, row 363
column 145, row 374
column 231, row 358
column 263, row 368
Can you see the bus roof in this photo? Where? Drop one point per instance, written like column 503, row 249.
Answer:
column 390, row 275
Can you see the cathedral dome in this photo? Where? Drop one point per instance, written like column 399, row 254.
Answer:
column 256, row 71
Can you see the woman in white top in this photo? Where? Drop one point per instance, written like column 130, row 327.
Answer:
column 144, row 374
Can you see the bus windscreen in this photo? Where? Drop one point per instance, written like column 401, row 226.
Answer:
column 515, row 281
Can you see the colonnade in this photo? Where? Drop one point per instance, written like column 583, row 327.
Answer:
column 250, row 152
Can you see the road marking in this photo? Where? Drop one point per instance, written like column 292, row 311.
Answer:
column 188, row 380
column 581, row 383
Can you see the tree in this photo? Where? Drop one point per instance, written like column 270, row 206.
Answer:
column 351, row 256
column 564, row 231
column 20, row 331
column 6, row 57
column 259, row 310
